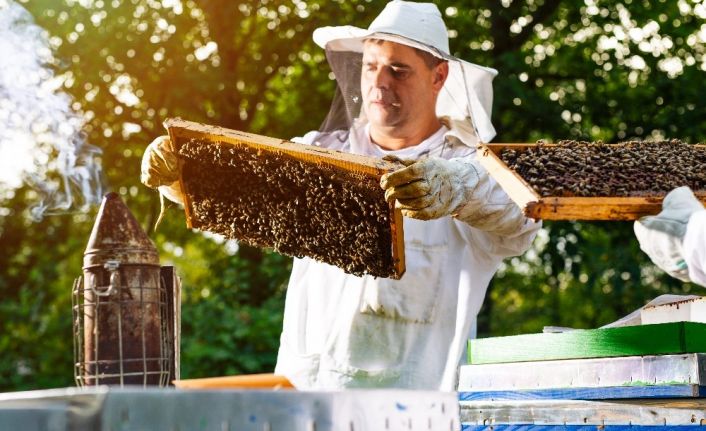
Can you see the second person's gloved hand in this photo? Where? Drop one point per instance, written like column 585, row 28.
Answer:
column 661, row 237
column 160, row 169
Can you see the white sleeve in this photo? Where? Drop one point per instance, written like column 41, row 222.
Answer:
column 494, row 224
column 336, row 140
column 695, row 247
column 492, row 219
column 307, row 139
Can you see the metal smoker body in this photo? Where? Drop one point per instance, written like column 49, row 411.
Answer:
column 120, row 305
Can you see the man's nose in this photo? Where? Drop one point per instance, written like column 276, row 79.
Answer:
column 382, row 78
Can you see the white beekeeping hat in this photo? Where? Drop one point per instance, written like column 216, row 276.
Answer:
column 467, row 94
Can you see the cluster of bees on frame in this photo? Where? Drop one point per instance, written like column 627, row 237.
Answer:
column 588, row 169
column 298, row 208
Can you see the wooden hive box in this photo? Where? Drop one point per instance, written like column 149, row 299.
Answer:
column 299, row 200
column 567, row 207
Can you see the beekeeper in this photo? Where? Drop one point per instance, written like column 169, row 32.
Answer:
column 400, row 94
column 675, row 239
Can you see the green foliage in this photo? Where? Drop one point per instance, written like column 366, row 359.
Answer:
column 566, row 71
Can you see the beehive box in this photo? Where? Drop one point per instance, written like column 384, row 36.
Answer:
column 589, row 181
column 299, row 200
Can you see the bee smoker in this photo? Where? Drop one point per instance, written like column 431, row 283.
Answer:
column 125, row 306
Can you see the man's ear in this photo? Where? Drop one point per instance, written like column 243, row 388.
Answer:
column 441, row 72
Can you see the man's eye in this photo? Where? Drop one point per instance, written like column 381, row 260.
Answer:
column 400, row 73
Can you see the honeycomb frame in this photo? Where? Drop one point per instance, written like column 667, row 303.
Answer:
column 349, row 174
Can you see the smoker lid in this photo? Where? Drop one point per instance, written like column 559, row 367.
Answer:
column 117, row 235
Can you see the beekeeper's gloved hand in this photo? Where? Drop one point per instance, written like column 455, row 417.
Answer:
column 160, row 169
column 434, row 187
column 662, row 236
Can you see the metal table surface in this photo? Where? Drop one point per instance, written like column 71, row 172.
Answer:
column 116, row 409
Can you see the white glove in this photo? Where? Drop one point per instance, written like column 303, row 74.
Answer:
column 662, row 236
column 433, row 187
column 160, row 169
column 429, row 188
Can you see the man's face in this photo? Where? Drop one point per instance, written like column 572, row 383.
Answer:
column 397, row 86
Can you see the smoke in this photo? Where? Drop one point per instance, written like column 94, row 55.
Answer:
column 41, row 142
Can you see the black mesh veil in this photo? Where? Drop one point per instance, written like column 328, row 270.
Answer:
column 347, row 101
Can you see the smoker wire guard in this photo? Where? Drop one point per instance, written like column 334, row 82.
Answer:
column 169, row 315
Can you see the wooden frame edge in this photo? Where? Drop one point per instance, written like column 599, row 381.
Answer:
column 182, row 184
column 398, row 255
column 514, row 185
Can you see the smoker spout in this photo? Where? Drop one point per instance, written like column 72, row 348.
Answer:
column 116, row 235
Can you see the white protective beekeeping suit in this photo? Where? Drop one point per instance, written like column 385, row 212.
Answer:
column 346, row 331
